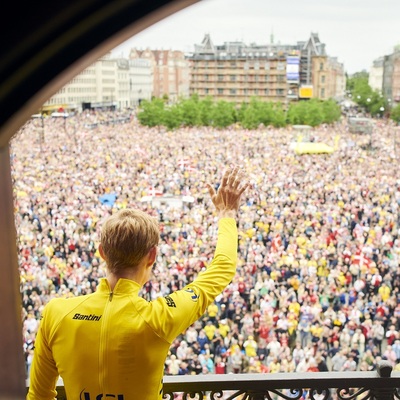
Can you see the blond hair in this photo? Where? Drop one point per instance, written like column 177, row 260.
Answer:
column 126, row 237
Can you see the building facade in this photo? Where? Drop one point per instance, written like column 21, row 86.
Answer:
column 387, row 76
column 396, row 76
column 140, row 81
column 237, row 72
column 109, row 83
column 170, row 71
column 122, row 80
column 375, row 78
column 98, row 86
column 233, row 71
column 328, row 78
column 384, row 76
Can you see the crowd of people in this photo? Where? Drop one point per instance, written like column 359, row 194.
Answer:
column 317, row 283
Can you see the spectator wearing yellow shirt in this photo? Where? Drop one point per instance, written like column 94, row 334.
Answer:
column 210, row 329
column 223, row 327
column 294, row 307
column 212, row 312
column 384, row 292
column 294, row 281
column 250, row 347
column 274, row 366
column 316, row 333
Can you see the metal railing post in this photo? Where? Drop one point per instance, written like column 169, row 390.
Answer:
column 384, row 369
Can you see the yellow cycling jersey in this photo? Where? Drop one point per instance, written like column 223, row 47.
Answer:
column 113, row 344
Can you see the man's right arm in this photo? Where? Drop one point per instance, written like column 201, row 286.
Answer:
column 44, row 374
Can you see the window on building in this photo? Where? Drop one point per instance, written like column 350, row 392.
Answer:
column 220, row 91
column 321, row 66
column 266, row 78
column 246, row 66
column 322, row 93
column 245, row 91
column 256, row 92
column 233, row 65
column 206, row 77
column 280, row 66
column 256, row 65
column 322, row 78
column 280, row 78
column 220, row 78
column 267, row 65
column 266, row 92
column 233, row 78
column 256, row 78
column 232, row 91
column 206, row 91
column 279, row 92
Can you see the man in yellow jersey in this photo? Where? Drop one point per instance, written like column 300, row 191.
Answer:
column 112, row 344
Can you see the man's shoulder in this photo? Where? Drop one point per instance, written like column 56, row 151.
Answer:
column 67, row 302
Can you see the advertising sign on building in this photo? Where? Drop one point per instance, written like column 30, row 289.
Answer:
column 292, row 68
column 306, row 92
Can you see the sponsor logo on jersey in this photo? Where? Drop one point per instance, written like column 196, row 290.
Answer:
column 85, row 317
column 86, row 396
column 193, row 294
column 170, row 302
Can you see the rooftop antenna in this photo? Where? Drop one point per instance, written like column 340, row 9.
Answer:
column 272, row 36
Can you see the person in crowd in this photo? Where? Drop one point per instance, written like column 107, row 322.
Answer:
column 318, row 235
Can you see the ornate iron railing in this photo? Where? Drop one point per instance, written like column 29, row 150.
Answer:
column 382, row 384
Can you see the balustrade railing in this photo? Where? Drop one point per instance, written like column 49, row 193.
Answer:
column 382, row 384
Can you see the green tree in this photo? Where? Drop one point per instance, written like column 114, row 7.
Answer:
column 279, row 115
column 331, row 111
column 362, row 93
column 395, row 113
column 261, row 112
column 173, row 117
column 313, row 112
column 241, row 110
column 224, row 114
column 152, row 112
column 206, row 107
column 251, row 115
column 355, row 79
column 190, row 111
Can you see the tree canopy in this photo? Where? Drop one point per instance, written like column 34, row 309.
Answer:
column 220, row 114
column 364, row 96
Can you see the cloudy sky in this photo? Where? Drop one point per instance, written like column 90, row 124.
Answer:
column 354, row 31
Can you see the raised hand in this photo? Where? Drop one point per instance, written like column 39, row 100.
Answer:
column 227, row 197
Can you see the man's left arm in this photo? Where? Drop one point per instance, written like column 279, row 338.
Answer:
column 176, row 312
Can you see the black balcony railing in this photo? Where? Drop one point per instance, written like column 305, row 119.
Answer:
column 382, row 384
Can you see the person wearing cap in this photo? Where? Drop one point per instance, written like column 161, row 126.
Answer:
column 223, row 327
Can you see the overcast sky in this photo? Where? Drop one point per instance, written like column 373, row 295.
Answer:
column 354, row 31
